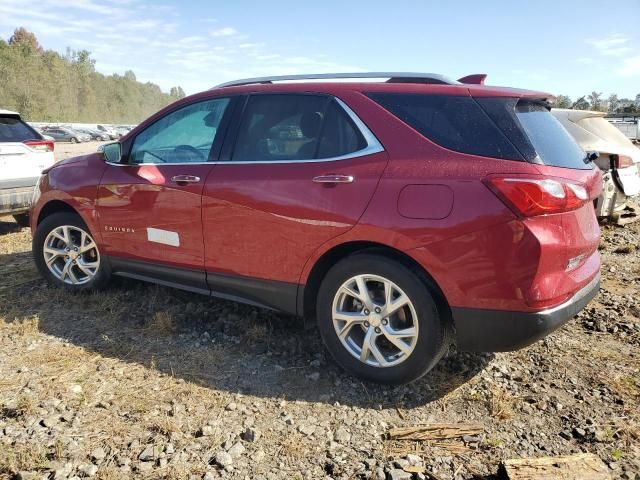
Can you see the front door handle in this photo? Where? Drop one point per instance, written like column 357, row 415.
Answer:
column 334, row 179
column 180, row 179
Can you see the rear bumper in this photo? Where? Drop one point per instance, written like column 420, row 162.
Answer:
column 15, row 200
column 502, row 331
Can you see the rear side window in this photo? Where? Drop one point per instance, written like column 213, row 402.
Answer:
column 553, row 144
column 339, row 135
column 15, row 130
column 295, row 127
column 453, row 122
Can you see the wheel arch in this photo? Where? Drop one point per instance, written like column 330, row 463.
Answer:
column 55, row 206
column 307, row 299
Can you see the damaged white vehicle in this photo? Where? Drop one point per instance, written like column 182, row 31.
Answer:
column 619, row 158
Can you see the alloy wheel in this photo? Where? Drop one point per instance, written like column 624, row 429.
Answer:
column 375, row 320
column 71, row 255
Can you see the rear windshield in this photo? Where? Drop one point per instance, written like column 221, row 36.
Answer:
column 552, row 143
column 15, row 130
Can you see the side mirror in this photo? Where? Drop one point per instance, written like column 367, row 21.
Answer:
column 111, row 151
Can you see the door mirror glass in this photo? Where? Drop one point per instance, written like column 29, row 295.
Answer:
column 111, row 151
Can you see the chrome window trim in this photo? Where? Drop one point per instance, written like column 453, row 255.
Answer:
column 373, row 146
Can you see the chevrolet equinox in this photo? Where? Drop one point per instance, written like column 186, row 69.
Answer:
column 400, row 211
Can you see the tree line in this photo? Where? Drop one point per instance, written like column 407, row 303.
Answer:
column 595, row 101
column 46, row 86
column 43, row 85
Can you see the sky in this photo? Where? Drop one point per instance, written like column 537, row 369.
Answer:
column 562, row 46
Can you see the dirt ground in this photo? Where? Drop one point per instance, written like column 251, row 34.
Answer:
column 65, row 150
column 143, row 381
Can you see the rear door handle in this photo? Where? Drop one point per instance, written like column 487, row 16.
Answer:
column 334, row 179
column 185, row 179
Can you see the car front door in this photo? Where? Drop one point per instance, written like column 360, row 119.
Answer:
column 302, row 171
column 149, row 207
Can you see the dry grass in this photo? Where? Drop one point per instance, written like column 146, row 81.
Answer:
column 293, row 447
column 501, row 404
column 23, row 456
column 162, row 323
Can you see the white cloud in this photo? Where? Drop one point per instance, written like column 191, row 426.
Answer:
column 630, row 67
column 613, row 45
column 585, row 61
column 224, row 32
column 128, row 35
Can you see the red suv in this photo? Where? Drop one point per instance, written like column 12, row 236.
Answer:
column 401, row 214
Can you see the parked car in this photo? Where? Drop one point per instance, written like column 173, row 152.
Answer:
column 400, row 215
column 63, row 134
column 94, row 134
column 44, row 135
column 23, row 155
column 619, row 159
column 109, row 131
column 122, row 131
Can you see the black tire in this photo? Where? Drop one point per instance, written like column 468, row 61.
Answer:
column 45, row 227
column 74, row 140
column 433, row 332
column 22, row 219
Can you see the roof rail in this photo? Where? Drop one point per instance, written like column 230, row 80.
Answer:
column 393, row 77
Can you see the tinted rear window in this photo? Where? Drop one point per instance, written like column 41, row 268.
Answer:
column 14, row 130
column 553, row 144
column 453, row 122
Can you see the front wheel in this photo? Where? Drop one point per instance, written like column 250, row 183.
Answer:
column 67, row 255
column 74, row 140
column 379, row 320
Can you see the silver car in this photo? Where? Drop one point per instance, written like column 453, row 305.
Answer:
column 62, row 134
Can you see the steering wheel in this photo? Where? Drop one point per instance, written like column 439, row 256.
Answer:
column 187, row 153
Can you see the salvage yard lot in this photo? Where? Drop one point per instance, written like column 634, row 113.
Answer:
column 147, row 382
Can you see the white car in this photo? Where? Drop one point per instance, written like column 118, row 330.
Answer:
column 24, row 153
column 619, row 158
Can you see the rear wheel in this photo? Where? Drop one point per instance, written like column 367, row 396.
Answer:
column 67, row 255
column 379, row 320
column 22, row 219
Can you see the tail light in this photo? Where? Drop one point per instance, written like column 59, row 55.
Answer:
column 40, row 145
column 529, row 197
column 621, row 161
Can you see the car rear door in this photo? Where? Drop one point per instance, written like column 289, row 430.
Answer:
column 149, row 207
column 301, row 171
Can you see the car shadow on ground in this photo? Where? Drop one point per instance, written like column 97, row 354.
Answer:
column 222, row 345
column 7, row 225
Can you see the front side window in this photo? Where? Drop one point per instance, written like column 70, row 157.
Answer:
column 290, row 127
column 185, row 135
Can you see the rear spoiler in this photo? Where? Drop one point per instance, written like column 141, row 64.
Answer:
column 474, row 79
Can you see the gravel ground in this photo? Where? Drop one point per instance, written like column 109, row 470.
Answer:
column 147, row 382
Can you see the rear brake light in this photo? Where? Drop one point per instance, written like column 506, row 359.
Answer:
column 538, row 196
column 40, row 145
column 621, row 161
